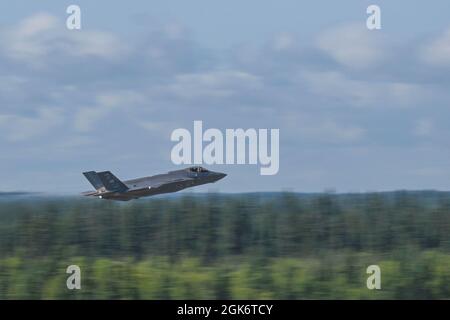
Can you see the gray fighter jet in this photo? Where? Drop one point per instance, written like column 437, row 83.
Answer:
column 109, row 186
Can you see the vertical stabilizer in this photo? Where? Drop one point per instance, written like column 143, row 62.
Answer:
column 94, row 179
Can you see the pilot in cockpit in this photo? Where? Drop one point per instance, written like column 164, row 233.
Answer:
column 198, row 169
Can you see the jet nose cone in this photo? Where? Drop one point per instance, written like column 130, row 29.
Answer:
column 219, row 175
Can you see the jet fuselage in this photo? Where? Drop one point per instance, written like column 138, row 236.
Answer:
column 109, row 187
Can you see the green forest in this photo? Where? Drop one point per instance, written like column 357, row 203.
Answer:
column 227, row 246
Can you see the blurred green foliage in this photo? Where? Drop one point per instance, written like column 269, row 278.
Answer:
column 282, row 246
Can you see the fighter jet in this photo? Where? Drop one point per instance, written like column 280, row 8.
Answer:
column 109, row 186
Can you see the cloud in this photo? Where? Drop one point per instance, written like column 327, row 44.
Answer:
column 284, row 42
column 330, row 131
column 39, row 36
column 362, row 92
column 19, row 128
column 35, row 24
column 319, row 129
column 124, row 98
column 157, row 126
column 94, row 43
column 437, row 51
column 213, row 84
column 424, row 127
column 29, row 39
column 353, row 45
column 87, row 118
column 110, row 94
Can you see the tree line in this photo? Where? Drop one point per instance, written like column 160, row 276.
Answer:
column 282, row 245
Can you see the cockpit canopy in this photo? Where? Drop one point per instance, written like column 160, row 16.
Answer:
column 197, row 169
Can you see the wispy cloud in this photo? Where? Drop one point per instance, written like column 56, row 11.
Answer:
column 353, row 45
column 17, row 128
column 437, row 51
column 102, row 94
column 424, row 127
column 42, row 36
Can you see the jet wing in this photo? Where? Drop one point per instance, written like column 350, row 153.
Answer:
column 172, row 185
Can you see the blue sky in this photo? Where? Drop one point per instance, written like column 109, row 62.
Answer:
column 357, row 110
